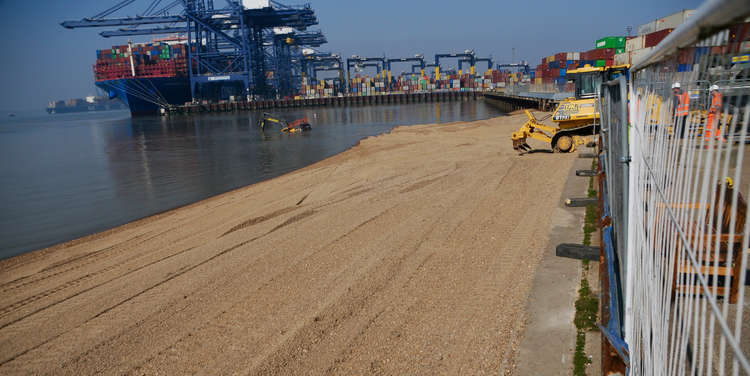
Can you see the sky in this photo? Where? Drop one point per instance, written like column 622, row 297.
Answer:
column 42, row 61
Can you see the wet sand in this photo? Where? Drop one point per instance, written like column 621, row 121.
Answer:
column 411, row 253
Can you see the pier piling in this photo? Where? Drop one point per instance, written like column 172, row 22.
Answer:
column 506, row 102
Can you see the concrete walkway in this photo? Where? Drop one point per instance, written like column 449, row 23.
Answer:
column 548, row 342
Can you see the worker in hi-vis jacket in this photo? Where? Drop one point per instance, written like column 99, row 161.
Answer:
column 682, row 100
column 712, row 121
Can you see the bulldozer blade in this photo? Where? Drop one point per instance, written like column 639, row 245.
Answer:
column 521, row 145
column 517, row 144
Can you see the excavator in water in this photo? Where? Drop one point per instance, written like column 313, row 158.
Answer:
column 576, row 117
column 298, row 125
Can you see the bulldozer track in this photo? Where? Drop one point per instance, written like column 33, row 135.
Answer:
column 17, row 305
column 78, row 263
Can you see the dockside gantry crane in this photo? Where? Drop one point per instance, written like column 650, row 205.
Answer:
column 521, row 67
column 370, row 65
column 357, row 60
column 488, row 60
column 419, row 58
column 468, row 54
column 321, row 62
column 288, row 58
column 227, row 46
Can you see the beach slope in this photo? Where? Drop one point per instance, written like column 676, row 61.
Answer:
column 411, row 253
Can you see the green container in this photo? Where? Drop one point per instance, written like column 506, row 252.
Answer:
column 601, row 63
column 619, row 50
column 611, row 42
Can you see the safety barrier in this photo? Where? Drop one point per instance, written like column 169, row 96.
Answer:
column 673, row 190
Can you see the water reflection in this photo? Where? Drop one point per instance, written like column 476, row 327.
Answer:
column 66, row 176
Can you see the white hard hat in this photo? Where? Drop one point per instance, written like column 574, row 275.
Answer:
column 676, row 85
column 714, row 87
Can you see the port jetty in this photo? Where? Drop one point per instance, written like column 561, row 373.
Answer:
column 414, row 250
column 506, row 102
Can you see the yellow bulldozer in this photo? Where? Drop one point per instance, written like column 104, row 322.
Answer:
column 576, row 117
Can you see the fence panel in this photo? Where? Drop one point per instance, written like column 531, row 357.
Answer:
column 673, row 153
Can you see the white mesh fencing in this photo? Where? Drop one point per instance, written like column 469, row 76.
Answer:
column 677, row 181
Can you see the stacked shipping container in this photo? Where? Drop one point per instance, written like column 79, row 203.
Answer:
column 551, row 73
column 324, row 88
column 141, row 61
column 735, row 44
column 612, row 51
column 364, row 85
column 605, row 50
column 649, row 35
column 668, row 22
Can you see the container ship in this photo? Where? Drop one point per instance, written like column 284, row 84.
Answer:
column 146, row 77
column 88, row 104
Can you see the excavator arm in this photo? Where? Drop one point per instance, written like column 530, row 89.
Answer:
column 298, row 125
column 268, row 118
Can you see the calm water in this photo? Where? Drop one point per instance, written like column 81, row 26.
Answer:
column 69, row 175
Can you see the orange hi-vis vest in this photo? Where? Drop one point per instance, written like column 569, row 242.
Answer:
column 715, row 102
column 684, row 106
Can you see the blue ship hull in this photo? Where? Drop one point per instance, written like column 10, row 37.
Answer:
column 145, row 96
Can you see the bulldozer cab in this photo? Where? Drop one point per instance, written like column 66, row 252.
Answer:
column 588, row 79
column 582, row 109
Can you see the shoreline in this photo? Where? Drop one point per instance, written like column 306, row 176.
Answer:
column 141, row 221
column 399, row 254
column 155, row 216
column 78, row 236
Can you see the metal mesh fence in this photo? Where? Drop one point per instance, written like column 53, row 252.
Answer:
column 675, row 186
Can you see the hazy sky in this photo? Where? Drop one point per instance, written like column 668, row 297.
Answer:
column 41, row 61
